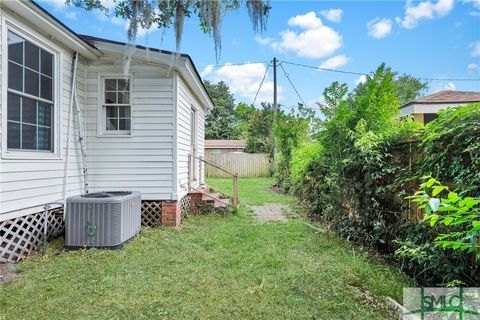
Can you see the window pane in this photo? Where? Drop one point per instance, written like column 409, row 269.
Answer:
column 112, row 112
column 110, row 84
column 124, row 124
column 47, row 63
column 124, row 112
column 32, row 56
column 28, row 136
column 29, row 111
column 123, row 85
column 13, row 135
column 44, row 139
column 15, row 76
column 31, row 82
column 15, row 47
column 112, row 124
column 44, row 114
column 13, row 107
column 46, row 88
column 110, row 97
column 123, row 97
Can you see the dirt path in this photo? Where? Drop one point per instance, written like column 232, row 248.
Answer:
column 271, row 212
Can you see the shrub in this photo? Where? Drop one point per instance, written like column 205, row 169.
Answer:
column 451, row 148
column 355, row 177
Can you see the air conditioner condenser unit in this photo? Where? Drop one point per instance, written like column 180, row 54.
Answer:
column 102, row 219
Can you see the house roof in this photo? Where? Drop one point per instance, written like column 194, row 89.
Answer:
column 92, row 40
column 47, row 24
column 447, row 96
column 225, row 144
column 86, row 44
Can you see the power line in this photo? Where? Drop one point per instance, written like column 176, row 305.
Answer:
column 325, row 69
column 366, row 74
column 261, row 84
column 291, row 83
column 235, row 64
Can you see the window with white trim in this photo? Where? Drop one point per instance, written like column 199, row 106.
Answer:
column 116, row 106
column 30, row 97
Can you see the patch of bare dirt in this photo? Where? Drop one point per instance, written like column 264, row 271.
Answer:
column 8, row 271
column 271, row 212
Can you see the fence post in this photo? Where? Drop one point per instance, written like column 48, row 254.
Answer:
column 235, row 191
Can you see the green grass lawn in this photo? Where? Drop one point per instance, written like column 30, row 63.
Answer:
column 252, row 191
column 213, row 267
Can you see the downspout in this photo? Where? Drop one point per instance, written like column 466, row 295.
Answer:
column 70, row 108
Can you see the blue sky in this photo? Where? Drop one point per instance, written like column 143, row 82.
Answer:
column 432, row 39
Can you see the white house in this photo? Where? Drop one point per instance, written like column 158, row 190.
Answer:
column 139, row 120
column 425, row 109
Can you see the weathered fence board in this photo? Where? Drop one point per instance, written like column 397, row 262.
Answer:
column 245, row 164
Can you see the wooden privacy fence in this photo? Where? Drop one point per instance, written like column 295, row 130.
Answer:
column 244, row 164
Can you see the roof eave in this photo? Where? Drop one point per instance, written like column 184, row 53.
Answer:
column 181, row 62
column 52, row 26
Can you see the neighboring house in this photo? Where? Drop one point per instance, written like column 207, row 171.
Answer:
column 425, row 109
column 139, row 126
column 224, row 146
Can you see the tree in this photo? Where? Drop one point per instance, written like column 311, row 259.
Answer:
column 165, row 13
column 259, row 131
column 220, row 121
column 243, row 114
column 407, row 88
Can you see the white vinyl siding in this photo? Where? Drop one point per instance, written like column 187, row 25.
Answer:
column 142, row 161
column 1, row 87
column 28, row 182
column 186, row 100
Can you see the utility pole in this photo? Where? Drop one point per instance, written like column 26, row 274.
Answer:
column 275, row 106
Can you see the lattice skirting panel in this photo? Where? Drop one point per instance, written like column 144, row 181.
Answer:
column 186, row 206
column 21, row 236
column 151, row 213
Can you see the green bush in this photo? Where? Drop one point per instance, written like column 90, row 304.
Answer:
column 357, row 174
column 451, row 148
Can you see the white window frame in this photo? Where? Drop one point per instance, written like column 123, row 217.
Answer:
column 43, row 43
column 102, row 115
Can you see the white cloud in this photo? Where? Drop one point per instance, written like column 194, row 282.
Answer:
column 141, row 32
column 475, row 49
column 334, row 62
column 450, row 86
column 361, row 79
column 314, row 41
column 443, row 86
column 57, row 5
column 472, row 67
column 264, row 41
column 379, row 28
column 476, row 3
column 414, row 12
column 109, row 4
column 244, row 80
column 306, row 21
column 334, row 15
column 71, row 15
